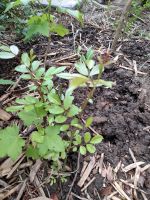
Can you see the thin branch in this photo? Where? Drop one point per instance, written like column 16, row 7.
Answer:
column 120, row 25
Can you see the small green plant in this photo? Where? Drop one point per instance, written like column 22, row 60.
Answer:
column 30, row 18
column 51, row 109
column 135, row 12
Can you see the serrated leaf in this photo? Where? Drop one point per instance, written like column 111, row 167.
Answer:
column 14, row 108
column 96, row 139
column 37, row 137
column 25, row 59
column 90, row 148
column 10, row 142
column 81, row 68
column 52, row 141
column 87, row 137
column 53, row 97
column 60, row 119
column 89, row 121
column 55, row 109
column 37, row 25
column 59, row 29
column 32, row 152
column 14, row 49
column 30, row 117
column 22, row 68
column 6, row 55
column 35, row 65
column 40, row 72
column 82, row 150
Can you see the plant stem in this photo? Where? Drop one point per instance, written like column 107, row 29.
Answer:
column 120, row 25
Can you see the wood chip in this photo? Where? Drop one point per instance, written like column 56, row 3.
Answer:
column 120, row 191
column 85, row 164
column 132, row 166
column 34, row 170
column 9, row 192
column 4, row 115
column 6, row 167
column 109, row 173
column 21, row 191
column 41, row 198
column 89, row 183
column 15, row 167
column 87, row 172
column 101, row 163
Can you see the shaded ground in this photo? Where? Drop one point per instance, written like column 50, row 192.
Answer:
column 121, row 114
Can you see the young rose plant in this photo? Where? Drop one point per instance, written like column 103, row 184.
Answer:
column 52, row 112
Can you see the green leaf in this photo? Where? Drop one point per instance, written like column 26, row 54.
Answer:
column 90, row 54
column 74, row 110
column 87, row 137
column 75, row 123
column 6, row 55
column 30, row 117
column 68, row 101
column 32, row 152
column 25, row 76
column 91, row 148
column 53, row 97
column 82, row 150
column 10, row 142
column 14, row 49
column 55, row 109
column 69, row 76
column 59, row 29
column 25, row 59
column 35, row 65
column 22, row 68
column 64, row 127
column 4, row 48
column 37, row 137
column 52, row 141
column 81, row 68
column 78, row 138
column 100, row 82
column 78, row 82
column 40, row 72
column 89, row 121
column 90, row 64
column 95, row 70
column 96, row 139
column 74, row 13
column 60, row 119
column 6, row 82
column 14, row 108
column 37, row 25
column 50, row 119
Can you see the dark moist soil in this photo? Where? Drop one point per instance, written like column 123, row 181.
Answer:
column 119, row 113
